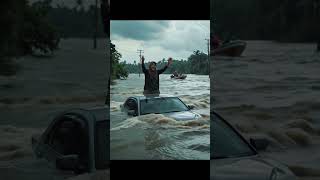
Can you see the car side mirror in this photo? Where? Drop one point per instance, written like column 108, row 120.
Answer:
column 67, row 162
column 260, row 144
column 191, row 107
column 131, row 112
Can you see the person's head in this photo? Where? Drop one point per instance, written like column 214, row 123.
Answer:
column 153, row 66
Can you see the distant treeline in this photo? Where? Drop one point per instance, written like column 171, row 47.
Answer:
column 76, row 22
column 282, row 20
column 25, row 29
column 197, row 63
column 29, row 28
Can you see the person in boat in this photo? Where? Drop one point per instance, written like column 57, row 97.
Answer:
column 175, row 74
column 216, row 42
column 151, row 77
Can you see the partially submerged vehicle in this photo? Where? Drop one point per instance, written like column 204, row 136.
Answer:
column 76, row 141
column 232, row 48
column 170, row 106
column 233, row 157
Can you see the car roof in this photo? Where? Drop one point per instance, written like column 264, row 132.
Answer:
column 100, row 112
column 152, row 97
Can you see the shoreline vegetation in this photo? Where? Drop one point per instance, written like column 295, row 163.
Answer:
column 279, row 20
column 35, row 28
column 197, row 63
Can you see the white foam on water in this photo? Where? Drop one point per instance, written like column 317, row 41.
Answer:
column 200, row 101
column 115, row 106
column 161, row 120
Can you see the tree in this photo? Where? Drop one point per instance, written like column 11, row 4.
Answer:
column 280, row 20
column 25, row 29
column 38, row 32
column 197, row 63
column 77, row 23
column 118, row 69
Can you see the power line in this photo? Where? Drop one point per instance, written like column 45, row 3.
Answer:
column 203, row 28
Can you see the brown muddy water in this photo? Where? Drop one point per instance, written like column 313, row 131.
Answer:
column 273, row 91
column 74, row 77
column 155, row 136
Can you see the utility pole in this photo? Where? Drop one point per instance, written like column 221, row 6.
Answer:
column 96, row 26
column 140, row 51
column 208, row 46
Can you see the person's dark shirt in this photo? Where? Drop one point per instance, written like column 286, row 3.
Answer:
column 151, row 83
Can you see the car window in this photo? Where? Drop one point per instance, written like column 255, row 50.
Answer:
column 131, row 104
column 225, row 142
column 69, row 137
column 162, row 105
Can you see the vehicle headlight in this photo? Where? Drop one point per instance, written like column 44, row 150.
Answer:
column 197, row 116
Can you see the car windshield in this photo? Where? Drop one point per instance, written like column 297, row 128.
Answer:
column 225, row 142
column 161, row 105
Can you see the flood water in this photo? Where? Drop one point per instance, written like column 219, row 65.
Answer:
column 273, row 91
column 74, row 77
column 155, row 136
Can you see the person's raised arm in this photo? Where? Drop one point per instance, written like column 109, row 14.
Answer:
column 144, row 70
column 160, row 71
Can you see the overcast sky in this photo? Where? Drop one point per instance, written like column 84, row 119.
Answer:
column 159, row 39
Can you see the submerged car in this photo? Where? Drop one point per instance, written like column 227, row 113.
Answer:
column 76, row 141
column 233, row 157
column 169, row 106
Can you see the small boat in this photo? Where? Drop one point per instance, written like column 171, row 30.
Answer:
column 232, row 48
column 178, row 77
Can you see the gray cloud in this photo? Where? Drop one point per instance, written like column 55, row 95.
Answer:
column 138, row 30
column 159, row 39
column 184, row 36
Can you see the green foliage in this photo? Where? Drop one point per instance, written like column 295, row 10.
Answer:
column 76, row 22
column 118, row 69
column 25, row 29
column 38, row 32
column 197, row 63
column 281, row 20
column 11, row 18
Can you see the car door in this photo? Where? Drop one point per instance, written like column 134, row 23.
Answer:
column 65, row 143
column 102, row 137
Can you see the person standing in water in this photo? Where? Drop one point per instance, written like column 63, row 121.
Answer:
column 151, row 77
